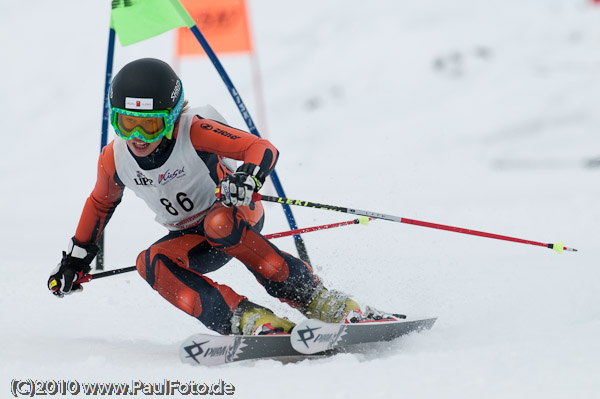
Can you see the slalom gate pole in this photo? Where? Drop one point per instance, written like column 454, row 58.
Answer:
column 362, row 220
column 104, row 133
column 300, row 246
column 558, row 247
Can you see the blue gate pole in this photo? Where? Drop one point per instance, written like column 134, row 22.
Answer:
column 250, row 123
column 105, row 123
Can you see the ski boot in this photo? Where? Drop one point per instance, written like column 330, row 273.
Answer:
column 252, row 319
column 332, row 307
column 336, row 307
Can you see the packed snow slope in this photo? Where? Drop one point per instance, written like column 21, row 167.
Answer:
column 470, row 113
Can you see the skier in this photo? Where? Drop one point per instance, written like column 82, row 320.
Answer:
column 174, row 159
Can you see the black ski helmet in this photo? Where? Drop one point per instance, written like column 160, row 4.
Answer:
column 146, row 78
column 144, row 86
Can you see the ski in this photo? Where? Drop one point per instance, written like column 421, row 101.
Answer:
column 315, row 336
column 214, row 350
column 311, row 338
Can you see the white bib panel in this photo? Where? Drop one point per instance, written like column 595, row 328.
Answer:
column 181, row 190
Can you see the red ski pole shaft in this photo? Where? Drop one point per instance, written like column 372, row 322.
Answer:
column 480, row 233
column 316, row 228
column 558, row 247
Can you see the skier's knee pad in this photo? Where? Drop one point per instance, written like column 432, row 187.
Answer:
column 159, row 274
column 150, row 264
column 224, row 227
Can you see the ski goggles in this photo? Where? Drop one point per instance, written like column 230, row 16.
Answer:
column 148, row 126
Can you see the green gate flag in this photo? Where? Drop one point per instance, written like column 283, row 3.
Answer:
column 137, row 20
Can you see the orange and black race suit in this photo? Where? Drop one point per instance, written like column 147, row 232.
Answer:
column 176, row 265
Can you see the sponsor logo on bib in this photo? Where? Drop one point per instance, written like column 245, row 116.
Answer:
column 142, row 180
column 170, row 175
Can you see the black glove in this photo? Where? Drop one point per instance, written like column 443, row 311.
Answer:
column 74, row 265
column 238, row 187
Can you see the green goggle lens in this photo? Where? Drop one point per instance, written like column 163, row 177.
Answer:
column 148, row 131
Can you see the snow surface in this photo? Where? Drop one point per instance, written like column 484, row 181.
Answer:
column 413, row 108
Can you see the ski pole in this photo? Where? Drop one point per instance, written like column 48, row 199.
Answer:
column 361, row 220
column 90, row 277
column 558, row 247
